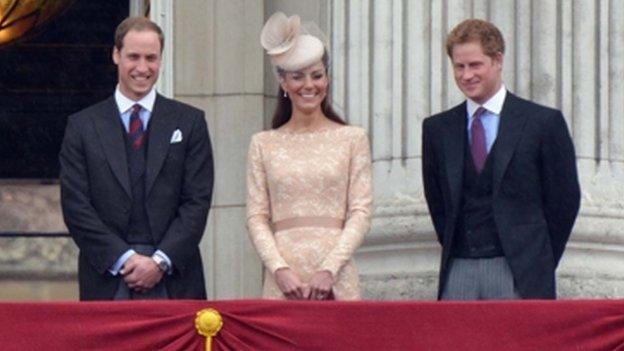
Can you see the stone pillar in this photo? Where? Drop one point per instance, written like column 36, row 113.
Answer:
column 384, row 70
column 390, row 71
column 218, row 67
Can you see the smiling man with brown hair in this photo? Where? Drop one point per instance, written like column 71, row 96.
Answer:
column 136, row 182
column 500, row 179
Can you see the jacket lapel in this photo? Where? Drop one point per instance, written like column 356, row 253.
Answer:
column 111, row 136
column 454, row 152
column 161, row 126
column 509, row 131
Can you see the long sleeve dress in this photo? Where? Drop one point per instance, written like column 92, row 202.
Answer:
column 317, row 176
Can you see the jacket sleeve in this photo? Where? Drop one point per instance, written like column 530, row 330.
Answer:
column 560, row 186
column 97, row 242
column 187, row 228
column 431, row 185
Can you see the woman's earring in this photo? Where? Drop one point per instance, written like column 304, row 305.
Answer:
column 285, row 94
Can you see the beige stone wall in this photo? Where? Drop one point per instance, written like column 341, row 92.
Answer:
column 44, row 289
column 35, row 268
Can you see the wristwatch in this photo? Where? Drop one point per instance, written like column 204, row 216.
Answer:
column 160, row 263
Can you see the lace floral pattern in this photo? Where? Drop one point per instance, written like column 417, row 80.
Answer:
column 319, row 174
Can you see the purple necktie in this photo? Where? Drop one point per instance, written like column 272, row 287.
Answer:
column 136, row 128
column 477, row 145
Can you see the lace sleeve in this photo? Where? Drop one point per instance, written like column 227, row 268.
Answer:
column 259, row 211
column 359, row 206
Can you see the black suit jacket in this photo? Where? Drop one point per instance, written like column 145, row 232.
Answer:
column 96, row 194
column 536, row 193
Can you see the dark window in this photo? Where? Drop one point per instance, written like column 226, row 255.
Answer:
column 58, row 69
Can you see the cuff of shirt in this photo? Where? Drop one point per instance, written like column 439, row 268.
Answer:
column 114, row 269
column 166, row 258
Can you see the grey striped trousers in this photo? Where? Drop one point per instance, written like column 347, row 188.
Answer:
column 479, row 279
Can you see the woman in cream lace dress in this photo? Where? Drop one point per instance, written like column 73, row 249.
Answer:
column 308, row 179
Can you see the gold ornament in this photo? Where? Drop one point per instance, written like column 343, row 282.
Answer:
column 208, row 323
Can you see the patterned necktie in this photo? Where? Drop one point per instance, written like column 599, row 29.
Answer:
column 477, row 145
column 136, row 128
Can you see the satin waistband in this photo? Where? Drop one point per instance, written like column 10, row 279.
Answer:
column 295, row 222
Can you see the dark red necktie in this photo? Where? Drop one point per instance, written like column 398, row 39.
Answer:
column 477, row 145
column 135, row 133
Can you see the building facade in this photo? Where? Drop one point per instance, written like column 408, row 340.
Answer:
column 389, row 71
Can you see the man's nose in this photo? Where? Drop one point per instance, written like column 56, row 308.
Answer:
column 142, row 65
column 467, row 74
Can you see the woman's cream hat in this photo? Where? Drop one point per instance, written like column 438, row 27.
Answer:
column 289, row 49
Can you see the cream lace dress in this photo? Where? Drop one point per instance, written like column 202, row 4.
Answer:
column 310, row 175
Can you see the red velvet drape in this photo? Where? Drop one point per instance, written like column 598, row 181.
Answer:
column 335, row 326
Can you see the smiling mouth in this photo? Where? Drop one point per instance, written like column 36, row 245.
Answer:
column 141, row 78
column 309, row 95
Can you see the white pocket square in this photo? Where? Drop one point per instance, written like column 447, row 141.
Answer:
column 176, row 137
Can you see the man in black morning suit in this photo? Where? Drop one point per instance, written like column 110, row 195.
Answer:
column 136, row 182
column 500, row 180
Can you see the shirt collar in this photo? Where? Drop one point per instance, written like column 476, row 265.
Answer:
column 124, row 103
column 493, row 105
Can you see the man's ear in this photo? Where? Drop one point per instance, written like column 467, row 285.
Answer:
column 499, row 58
column 116, row 55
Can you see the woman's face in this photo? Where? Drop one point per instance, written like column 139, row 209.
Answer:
column 306, row 88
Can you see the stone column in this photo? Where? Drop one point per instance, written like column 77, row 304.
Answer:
column 218, row 67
